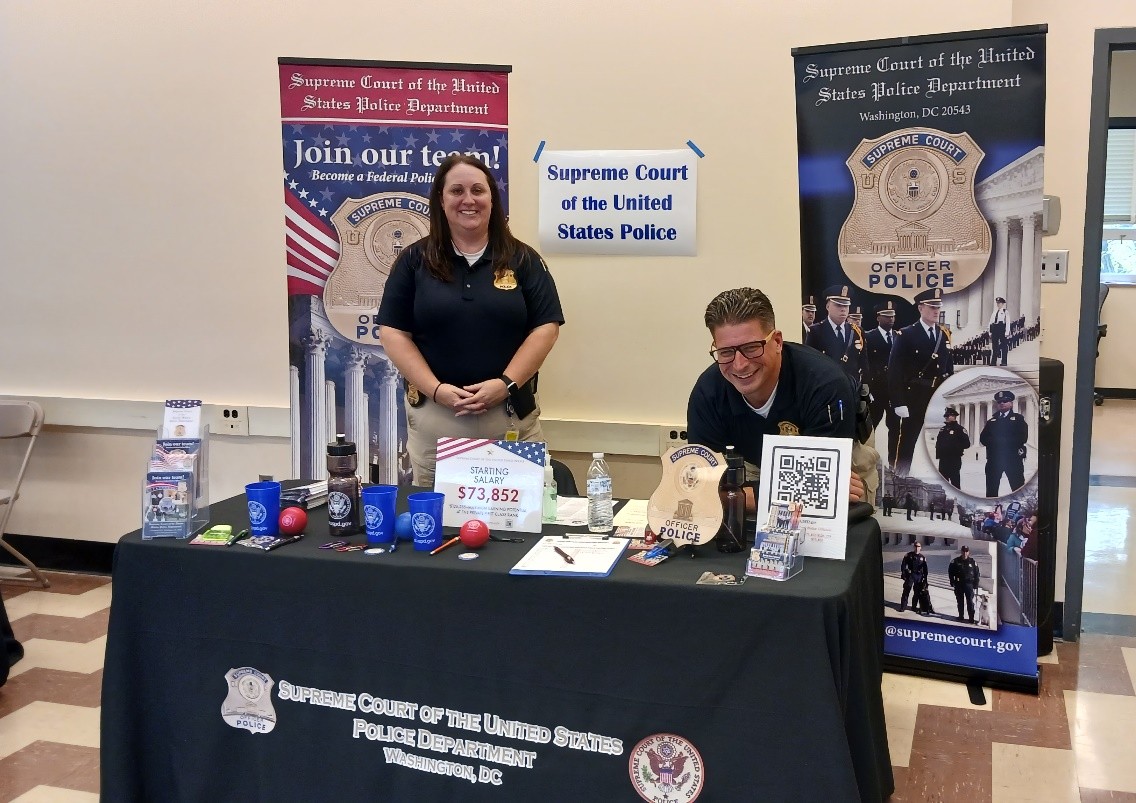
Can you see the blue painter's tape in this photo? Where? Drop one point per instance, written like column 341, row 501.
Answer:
column 539, row 150
column 694, row 148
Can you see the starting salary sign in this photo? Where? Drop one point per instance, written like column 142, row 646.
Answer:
column 619, row 202
column 499, row 482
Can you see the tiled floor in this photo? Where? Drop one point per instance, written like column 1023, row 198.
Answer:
column 1074, row 741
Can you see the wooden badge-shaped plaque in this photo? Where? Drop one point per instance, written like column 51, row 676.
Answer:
column 686, row 505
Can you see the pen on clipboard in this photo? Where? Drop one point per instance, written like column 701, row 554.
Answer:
column 567, row 558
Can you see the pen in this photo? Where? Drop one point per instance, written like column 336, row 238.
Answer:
column 293, row 539
column 446, row 545
column 242, row 534
column 840, row 405
column 567, row 558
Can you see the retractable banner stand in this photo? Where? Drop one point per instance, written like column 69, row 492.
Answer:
column 920, row 167
column 361, row 143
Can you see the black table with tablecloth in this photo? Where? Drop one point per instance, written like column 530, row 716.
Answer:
column 410, row 677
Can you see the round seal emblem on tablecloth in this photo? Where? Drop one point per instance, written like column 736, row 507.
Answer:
column 666, row 768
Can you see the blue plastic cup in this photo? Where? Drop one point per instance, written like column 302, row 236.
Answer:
column 378, row 512
column 264, row 507
column 426, row 519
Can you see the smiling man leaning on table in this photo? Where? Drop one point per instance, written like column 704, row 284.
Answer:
column 763, row 385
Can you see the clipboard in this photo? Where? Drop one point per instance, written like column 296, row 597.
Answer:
column 580, row 556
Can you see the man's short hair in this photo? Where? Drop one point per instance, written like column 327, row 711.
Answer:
column 738, row 306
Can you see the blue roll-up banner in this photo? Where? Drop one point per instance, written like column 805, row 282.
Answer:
column 920, row 166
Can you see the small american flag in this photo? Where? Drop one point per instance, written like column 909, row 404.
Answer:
column 452, row 447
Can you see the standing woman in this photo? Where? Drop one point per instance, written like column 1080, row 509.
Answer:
column 468, row 316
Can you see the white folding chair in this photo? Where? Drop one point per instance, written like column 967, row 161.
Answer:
column 19, row 419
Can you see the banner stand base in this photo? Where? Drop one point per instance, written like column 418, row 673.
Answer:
column 963, row 674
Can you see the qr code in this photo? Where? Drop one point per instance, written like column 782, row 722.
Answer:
column 806, row 476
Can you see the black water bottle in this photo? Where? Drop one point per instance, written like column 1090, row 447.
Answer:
column 731, row 536
column 342, row 488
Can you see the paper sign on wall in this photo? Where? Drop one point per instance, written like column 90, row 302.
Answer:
column 619, row 202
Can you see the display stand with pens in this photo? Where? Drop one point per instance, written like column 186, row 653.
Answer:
column 776, row 547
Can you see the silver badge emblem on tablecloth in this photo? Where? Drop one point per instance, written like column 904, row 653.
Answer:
column 248, row 703
column 915, row 224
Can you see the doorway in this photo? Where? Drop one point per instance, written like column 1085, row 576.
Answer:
column 1107, row 43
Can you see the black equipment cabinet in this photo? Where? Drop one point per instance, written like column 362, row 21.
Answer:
column 1050, row 381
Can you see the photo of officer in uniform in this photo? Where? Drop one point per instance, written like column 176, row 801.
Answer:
column 964, row 575
column 1005, row 436
column 877, row 352
column 913, row 571
column 950, row 444
column 999, row 342
column 808, row 317
column 836, row 336
column 920, row 361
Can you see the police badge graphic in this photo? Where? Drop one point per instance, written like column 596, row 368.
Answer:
column 373, row 231
column 666, row 768
column 338, row 504
column 248, row 703
column 257, row 513
column 372, row 516
column 915, row 224
column 422, row 524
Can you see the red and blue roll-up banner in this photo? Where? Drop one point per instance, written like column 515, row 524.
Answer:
column 920, row 163
column 361, row 142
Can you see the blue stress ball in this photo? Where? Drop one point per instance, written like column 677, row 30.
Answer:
column 402, row 527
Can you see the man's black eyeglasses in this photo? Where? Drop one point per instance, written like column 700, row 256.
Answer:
column 751, row 351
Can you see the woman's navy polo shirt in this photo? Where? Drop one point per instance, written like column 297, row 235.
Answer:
column 467, row 329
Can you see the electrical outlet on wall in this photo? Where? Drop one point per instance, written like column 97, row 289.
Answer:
column 1055, row 266
column 228, row 419
column 671, row 435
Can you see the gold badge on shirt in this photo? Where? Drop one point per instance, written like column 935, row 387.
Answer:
column 505, row 280
column 788, row 428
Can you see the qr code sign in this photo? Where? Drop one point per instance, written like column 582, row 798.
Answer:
column 806, row 476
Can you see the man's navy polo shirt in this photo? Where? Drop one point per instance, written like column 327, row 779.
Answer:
column 812, row 393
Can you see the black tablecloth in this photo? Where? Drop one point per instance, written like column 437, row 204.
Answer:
column 775, row 685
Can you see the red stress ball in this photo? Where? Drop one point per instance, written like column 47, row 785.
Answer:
column 293, row 520
column 474, row 533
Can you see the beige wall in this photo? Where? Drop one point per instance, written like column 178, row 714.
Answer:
column 144, row 164
column 1116, row 365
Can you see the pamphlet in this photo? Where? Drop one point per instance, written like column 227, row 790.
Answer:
column 165, row 504
column 182, row 418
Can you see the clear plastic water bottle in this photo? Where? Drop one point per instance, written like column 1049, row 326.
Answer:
column 548, row 508
column 599, row 495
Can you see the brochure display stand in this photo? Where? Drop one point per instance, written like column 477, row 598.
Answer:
column 175, row 493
